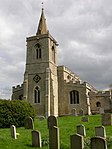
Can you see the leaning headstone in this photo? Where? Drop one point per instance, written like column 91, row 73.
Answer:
column 36, row 138
column 54, row 142
column 100, row 131
column 51, row 121
column 74, row 112
column 81, row 130
column 101, row 111
column 28, row 124
column 13, row 132
column 98, row 143
column 85, row 119
column 81, row 112
column 76, row 141
column 107, row 119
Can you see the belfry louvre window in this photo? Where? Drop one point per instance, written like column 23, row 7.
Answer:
column 38, row 52
column 74, row 97
column 37, row 95
column 53, row 54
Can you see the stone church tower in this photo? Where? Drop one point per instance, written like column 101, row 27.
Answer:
column 40, row 86
column 40, row 80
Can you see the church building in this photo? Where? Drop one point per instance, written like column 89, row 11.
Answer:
column 52, row 89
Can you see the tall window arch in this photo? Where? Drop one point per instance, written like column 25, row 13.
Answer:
column 74, row 97
column 37, row 95
column 38, row 51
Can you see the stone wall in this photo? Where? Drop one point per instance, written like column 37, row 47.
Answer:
column 101, row 99
column 67, row 84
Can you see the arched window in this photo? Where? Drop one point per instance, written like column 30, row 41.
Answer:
column 37, row 95
column 38, row 51
column 98, row 104
column 74, row 97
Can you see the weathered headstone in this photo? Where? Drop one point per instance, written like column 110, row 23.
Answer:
column 107, row 119
column 100, row 131
column 51, row 121
column 81, row 130
column 36, row 138
column 98, row 143
column 76, row 141
column 85, row 119
column 28, row 124
column 101, row 111
column 81, row 112
column 54, row 142
column 74, row 112
column 13, row 132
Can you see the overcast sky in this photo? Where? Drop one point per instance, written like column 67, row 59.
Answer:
column 83, row 29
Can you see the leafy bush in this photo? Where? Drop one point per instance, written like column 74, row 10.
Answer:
column 14, row 112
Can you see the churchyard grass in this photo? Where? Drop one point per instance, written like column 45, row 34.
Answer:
column 67, row 126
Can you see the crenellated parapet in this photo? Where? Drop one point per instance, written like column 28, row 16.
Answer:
column 101, row 94
column 17, row 88
column 66, row 75
column 67, row 70
column 89, row 86
column 71, row 82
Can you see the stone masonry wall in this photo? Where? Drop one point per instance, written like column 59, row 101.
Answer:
column 104, row 100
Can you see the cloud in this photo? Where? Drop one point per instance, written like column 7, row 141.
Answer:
column 83, row 29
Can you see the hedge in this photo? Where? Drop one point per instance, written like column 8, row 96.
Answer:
column 14, row 112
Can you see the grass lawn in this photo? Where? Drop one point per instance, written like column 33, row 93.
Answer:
column 67, row 126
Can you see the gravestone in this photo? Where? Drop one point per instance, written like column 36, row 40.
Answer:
column 100, row 131
column 76, row 141
column 13, row 132
column 54, row 142
column 81, row 130
column 51, row 121
column 81, row 112
column 101, row 111
column 74, row 112
column 85, row 119
column 36, row 138
column 98, row 143
column 107, row 119
column 28, row 124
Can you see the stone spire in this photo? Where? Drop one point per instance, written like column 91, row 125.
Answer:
column 42, row 27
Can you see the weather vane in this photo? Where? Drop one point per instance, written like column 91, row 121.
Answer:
column 42, row 5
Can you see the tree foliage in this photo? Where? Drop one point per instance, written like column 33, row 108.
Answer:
column 14, row 112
